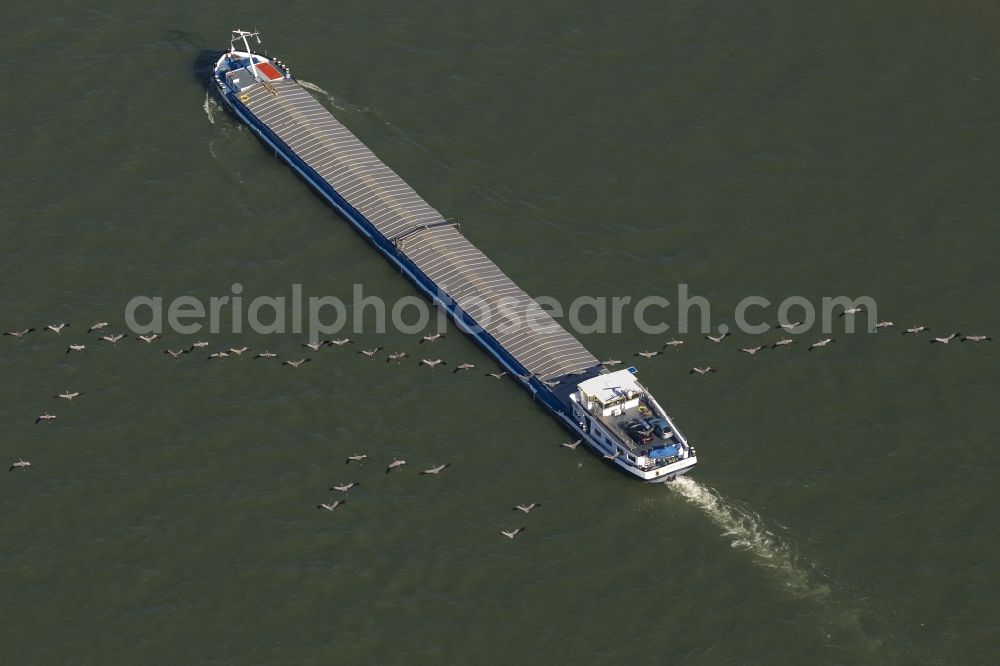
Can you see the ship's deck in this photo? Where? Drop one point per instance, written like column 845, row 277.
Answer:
column 438, row 249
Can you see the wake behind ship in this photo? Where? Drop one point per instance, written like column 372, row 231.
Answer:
column 609, row 410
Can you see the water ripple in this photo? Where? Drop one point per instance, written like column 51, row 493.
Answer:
column 746, row 531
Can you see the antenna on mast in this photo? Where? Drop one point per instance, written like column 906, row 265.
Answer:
column 242, row 35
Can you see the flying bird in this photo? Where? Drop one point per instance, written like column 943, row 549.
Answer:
column 357, row 457
column 114, row 339
column 394, row 464
column 614, row 455
column 527, row 508
column 238, row 350
column 496, row 375
column 752, row 351
column 881, row 325
column 176, row 353
column 20, row 464
column 822, row 343
column 148, row 338
column 396, row 356
column 572, row 445
column 331, row 507
column 56, row 328
column 431, row 338
column 611, row 363
column 98, row 326
column 67, row 395
column 19, row 334
column 946, row 340
column 647, row 354
column 45, row 417
column 219, row 355
column 512, row 533
column 340, row 343
column 266, row 354
column 76, row 348
column 346, row 487
column 676, row 344
column 790, row 325
column 370, row 353
column 783, row 342
column 298, row 363
column 701, row 371
column 916, row 329
column 431, row 363
column 437, row 469
column 977, row 338
column 853, row 311
column 200, row 344
column 313, row 345
column 463, row 366
column 717, row 338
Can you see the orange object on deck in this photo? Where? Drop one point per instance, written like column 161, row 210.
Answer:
column 268, row 70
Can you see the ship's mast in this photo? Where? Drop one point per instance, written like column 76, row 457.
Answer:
column 243, row 34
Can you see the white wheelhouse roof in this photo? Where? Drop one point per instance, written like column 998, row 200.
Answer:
column 610, row 387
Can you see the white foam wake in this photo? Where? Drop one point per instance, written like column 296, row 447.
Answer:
column 207, row 106
column 746, row 531
column 337, row 104
column 315, row 88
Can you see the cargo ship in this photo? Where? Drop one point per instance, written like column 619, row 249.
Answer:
column 608, row 409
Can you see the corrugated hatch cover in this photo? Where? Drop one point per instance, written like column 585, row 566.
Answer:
column 459, row 269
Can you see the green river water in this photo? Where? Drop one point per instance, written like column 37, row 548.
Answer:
column 844, row 508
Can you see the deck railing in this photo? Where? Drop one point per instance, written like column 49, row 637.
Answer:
column 621, row 434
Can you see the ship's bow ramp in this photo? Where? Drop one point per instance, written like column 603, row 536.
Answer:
column 439, row 250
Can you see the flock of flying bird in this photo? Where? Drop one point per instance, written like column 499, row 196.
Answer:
column 398, row 463
column 432, row 363
column 202, row 345
column 790, row 327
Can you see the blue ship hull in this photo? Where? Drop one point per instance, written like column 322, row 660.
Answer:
column 388, row 250
column 557, row 402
